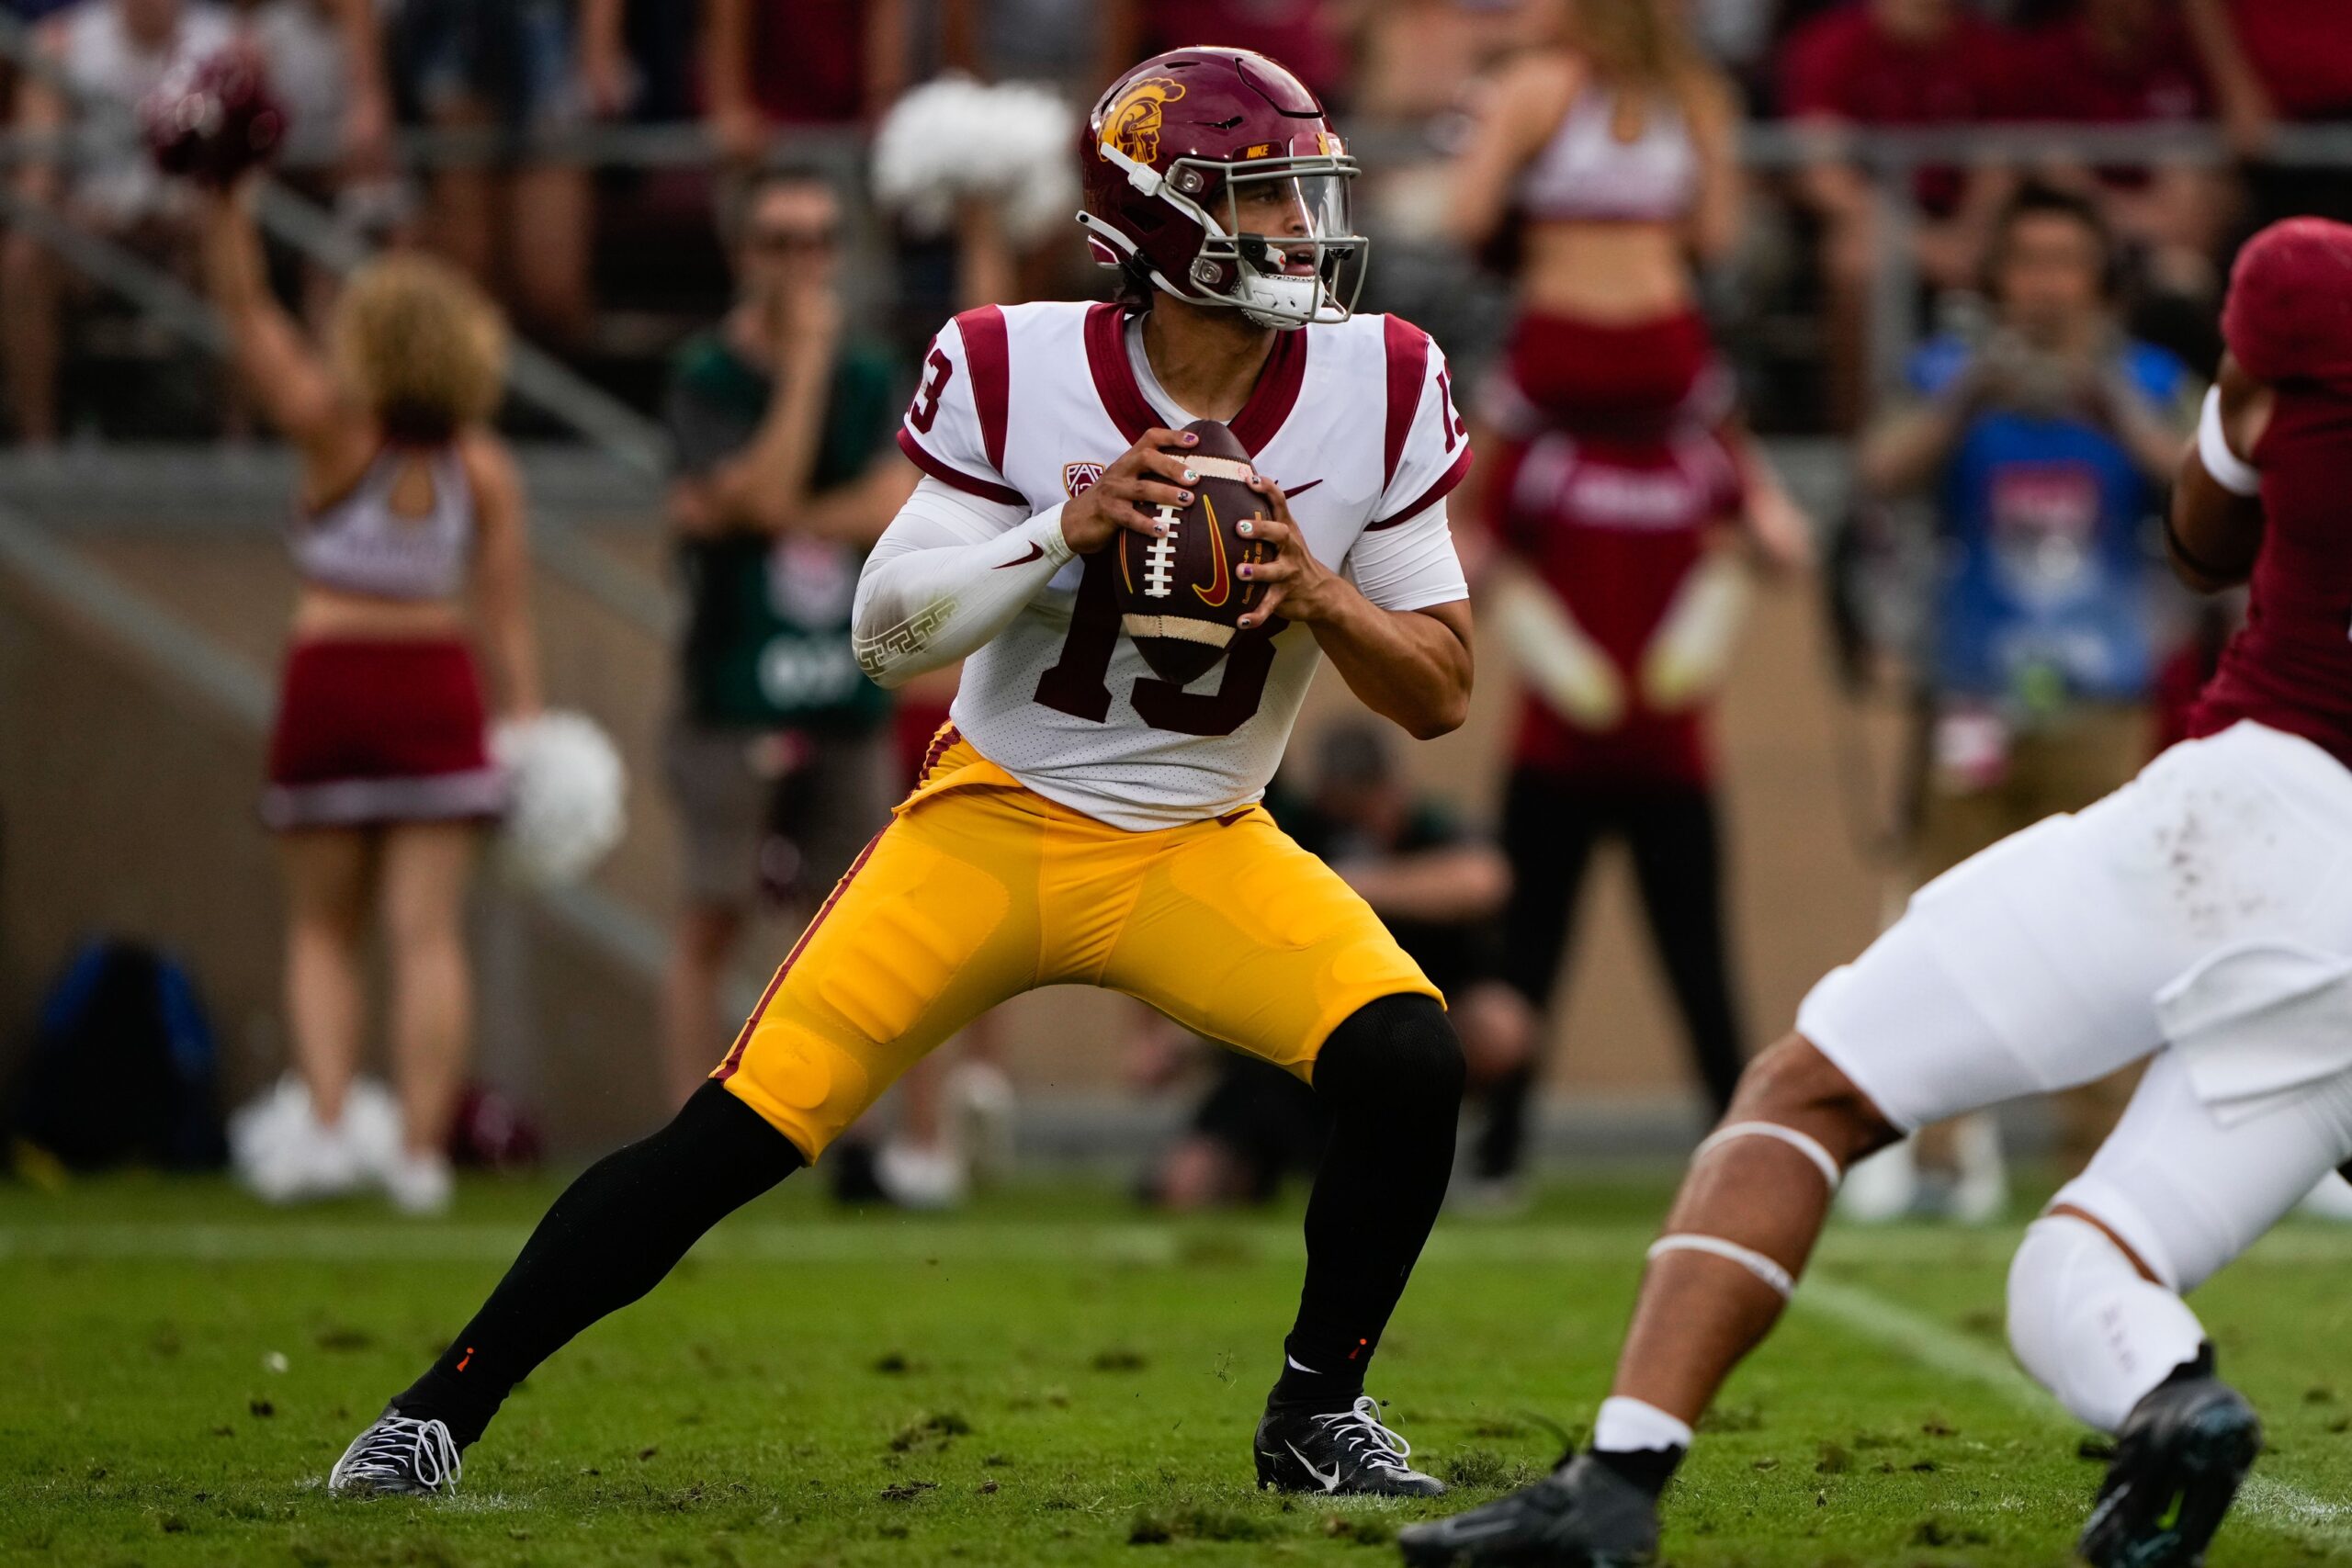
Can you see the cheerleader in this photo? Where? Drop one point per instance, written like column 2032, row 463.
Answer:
column 379, row 778
column 1606, row 162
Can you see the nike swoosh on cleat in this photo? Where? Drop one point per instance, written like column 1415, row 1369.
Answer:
column 1037, row 551
column 1330, row 1483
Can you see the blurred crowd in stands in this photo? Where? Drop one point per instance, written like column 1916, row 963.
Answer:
column 1557, row 191
column 608, row 259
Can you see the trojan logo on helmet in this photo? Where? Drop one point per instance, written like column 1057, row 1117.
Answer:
column 1192, row 145
column 1133, row 125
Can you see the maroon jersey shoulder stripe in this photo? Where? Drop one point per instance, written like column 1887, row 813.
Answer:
column 989, row 354
column 1430, row 497
column 1408, row 368
column 987, row 490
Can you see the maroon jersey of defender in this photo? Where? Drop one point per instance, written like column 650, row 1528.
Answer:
column 1612, row 527
column 2289, row 323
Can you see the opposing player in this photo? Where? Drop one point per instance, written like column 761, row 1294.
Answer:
column 2202, row 915
column 1080, row 819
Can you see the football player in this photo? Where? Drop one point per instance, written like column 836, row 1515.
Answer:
column 1080, row 819
column 2200, row 917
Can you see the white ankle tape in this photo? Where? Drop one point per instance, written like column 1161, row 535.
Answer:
column 1747, row 1257
column 1803, row 1144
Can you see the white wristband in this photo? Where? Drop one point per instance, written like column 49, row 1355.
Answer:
column 2225, row 468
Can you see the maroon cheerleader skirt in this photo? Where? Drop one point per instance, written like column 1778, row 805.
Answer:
column 370, row 733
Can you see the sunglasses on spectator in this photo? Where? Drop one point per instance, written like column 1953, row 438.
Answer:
column 781, row 241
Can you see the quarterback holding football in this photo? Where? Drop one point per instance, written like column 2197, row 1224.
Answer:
column 1141, row 524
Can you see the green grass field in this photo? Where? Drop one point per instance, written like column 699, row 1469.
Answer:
column 1050, row 1378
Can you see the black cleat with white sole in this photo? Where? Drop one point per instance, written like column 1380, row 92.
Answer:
column 397, row 1456
column 1345, row 1452
column 1583, row 1514
column 2179, row 1458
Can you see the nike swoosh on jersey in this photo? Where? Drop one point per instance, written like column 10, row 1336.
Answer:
column 1299, row 490
column 1037, row 551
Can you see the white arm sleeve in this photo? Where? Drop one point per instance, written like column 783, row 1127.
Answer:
column 950, row 572
column 2229, row 470
column 1409, row 564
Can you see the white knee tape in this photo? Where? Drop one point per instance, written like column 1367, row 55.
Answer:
column 1747, row 1257
column 1808, row 1146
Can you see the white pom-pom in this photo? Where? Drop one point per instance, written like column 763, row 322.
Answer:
column 564, row 809
column 953, row 139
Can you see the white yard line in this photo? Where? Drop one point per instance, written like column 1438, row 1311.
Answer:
column 1923, row 1340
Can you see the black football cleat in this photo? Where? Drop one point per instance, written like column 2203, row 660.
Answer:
column 397, row 1456
column 2179, row 1459
column 1583, row 1514
column 1344, row 1452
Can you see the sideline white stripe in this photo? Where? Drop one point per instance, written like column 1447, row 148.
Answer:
column 982, row 1240
column 1898, row 1328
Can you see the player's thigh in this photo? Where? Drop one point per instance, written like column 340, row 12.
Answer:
column 2038, row 964
column 932, row 925
column 2188, row 1185
column 1244, row 937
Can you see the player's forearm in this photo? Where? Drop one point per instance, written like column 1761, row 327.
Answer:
column 1907, row 449
column 938, row 585
column 1436, row 886
column 766, row 486
column 1410, row 667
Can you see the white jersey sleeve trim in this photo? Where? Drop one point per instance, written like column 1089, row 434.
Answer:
column 1411, row 567
column 951, row 571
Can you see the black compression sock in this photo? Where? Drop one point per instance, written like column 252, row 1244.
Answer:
column 609, row 1240
column 1649, row 1469
column 1392, row 1075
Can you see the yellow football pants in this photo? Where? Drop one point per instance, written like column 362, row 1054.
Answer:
column 981, row 888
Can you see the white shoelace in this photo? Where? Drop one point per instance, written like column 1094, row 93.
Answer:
column 1382, row 1447
column 397, row 1448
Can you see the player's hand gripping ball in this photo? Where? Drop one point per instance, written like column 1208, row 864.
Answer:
column 1177, row 595
column 212, row 119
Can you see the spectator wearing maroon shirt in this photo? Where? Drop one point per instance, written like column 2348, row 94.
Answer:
column 1620, row 618
column 1892, row 63
column 2132, row 62
column 1305, row 35
column 2272, row 61
column 768, row 63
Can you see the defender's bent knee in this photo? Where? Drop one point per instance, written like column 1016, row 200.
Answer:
column 1400, row 1051
column 1793, row 1085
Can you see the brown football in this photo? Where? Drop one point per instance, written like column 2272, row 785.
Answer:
column 1178, row 596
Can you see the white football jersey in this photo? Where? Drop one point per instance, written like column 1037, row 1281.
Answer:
column 1027, row 404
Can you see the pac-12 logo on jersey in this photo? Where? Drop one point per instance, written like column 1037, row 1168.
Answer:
column 1079, row 478
column 1133, row 125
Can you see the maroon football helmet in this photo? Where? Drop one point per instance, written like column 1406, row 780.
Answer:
column 1215, row 175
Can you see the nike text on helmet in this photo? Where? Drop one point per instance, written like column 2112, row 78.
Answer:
column 1215, row 172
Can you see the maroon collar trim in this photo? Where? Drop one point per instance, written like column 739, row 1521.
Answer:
column 1260, row 418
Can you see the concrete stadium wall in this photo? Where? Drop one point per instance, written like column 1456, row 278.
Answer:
column 126, row 803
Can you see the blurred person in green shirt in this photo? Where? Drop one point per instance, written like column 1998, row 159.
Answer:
column 778, row 756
